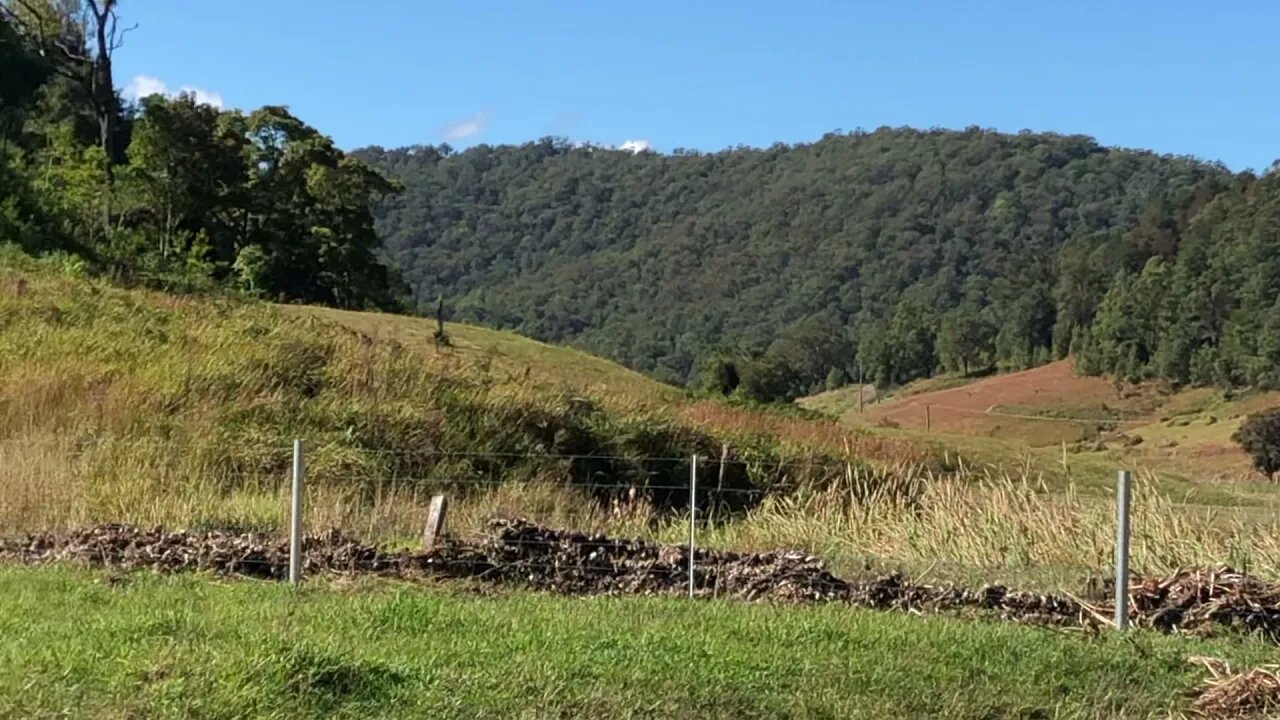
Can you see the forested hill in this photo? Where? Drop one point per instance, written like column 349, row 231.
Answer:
column 664, row 261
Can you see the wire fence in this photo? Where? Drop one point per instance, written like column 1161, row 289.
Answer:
column 673, row 510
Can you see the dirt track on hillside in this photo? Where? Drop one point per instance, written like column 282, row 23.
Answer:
column 519, row 553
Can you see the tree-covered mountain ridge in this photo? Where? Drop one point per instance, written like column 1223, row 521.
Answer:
column 896, row 252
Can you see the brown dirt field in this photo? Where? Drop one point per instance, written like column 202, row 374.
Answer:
column 1188, row 430
column 804, row 432
column 1004, row 406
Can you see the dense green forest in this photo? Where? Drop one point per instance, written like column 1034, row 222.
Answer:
column 766, row 272
column 168, row 191
column 780, row 271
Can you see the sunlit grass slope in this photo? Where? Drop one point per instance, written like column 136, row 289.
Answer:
column 132, row 405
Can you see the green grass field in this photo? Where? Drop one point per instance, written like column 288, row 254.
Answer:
column 82, row 644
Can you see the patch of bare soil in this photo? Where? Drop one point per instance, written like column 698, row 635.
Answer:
column 975, row 408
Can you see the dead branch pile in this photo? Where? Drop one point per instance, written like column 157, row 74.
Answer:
column 1204, row 599
column 1253, row 693
column 520, row 552
column 580, row 563
column 129, row 548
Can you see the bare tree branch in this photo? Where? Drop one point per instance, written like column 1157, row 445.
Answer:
column 119, row 41
column 46, row 39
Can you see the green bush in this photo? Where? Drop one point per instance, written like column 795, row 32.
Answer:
column 1260, row 437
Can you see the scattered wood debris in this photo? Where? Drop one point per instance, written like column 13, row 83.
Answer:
column 1194, row 600
column 1250, row 694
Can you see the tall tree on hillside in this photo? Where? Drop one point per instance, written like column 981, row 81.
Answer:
column 187, row 166
column 1126, row 333
column 24, row 73
column 912, row 333
column 311, row 217
column 965, row 339
column 78, row 38
column 875, row 354
column 1086, row 265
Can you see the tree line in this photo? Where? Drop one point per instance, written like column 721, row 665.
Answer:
column 769, row 273
column 891, row 254
column 169, row 191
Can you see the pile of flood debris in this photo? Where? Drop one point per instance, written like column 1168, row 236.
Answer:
column 518, row 552
column 1202, row 599
column 127, row 547
column 1226, row 694
column 581, row 563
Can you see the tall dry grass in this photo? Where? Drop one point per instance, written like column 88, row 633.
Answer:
column 999, row 523
column 52, row 485
column 971, row 525
column 120, row 405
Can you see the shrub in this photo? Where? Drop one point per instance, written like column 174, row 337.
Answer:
column 1259, row 435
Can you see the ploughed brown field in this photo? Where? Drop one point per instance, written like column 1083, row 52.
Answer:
column 1186, row 431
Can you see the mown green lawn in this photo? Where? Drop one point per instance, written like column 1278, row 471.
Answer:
column 82, row 644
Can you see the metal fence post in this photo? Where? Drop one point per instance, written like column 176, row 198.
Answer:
column 295, row 516
column 1123, row 493
column 693, row 514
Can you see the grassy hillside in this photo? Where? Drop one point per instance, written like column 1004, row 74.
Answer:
column 177, row 647
column 120, row 405
column 132, row 405
column 509, row 357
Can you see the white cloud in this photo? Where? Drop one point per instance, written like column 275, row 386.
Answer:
column 142, row 86
column 208, row 97
column 467, row 127
column 636, row 146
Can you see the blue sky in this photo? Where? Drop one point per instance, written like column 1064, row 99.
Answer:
column 1195, row 78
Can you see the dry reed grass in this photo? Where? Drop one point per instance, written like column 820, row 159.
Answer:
column 1001, row 522
column 988, row 523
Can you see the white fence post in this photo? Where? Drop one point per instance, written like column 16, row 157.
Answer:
column 1123, row 494
column 295, row 516
column 693, row 514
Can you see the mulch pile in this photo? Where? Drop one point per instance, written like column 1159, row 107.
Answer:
column 1200, row 599
column 132, row 548
column 1248, row 694
column 519, row 552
